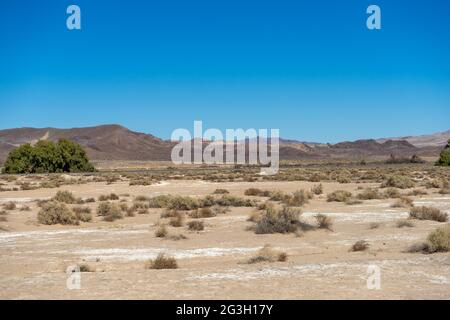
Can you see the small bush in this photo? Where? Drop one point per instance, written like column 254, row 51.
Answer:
column 285, row 220
column 360, row 245
column 177, row 221
column 403, row 202
column 298, row 198
column 83, row 214
column 85, row 268
column 392, row 193
column 56, row 213
column 161, row 231
column 267, row 254
column 162, row 262
column 369, row 194
column 183, row 203
column 324, row 222
column 339, row 196
column 317, row 189
column 428, row 213
column 9, row 206
column 400, row 182
column 161, row 201
column 221, row 191
column 65, row 197
column 109, row 211
column 404, row 223
column 374, row 225
column 202, row 213
column 196, row 225
column 108, row 197
column 439, row 239
column 417, row 192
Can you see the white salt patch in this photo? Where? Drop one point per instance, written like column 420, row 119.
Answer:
column 139, row 254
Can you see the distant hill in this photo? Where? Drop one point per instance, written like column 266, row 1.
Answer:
column 430, row 140
column 114, row 142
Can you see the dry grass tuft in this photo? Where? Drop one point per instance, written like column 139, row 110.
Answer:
column 196, row 225
column 360, row 245
column 162, row 262
column 268, row 254
column 339, row 196
column 324, row 222
column 404, row 223
column 428, row 213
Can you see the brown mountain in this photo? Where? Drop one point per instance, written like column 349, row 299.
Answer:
column 114, row 142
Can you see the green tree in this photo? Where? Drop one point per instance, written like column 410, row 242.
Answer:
column 46, row 156
column 444, row 158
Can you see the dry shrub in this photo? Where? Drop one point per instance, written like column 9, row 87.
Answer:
column 108, row 197
column 369, row 194
column 423, row 247
column 109, row 211
column 25, row 208
column 9, row 206
column 257, row 192
column 83, row 214
column 317, row 189
column 444, row 191
column 219, row 210
column 196, row 225
column 169, row 213
column 85, row 268
column 324, row 222
column 360, row 245
column 65, row 197
column 202, row 213
column 221, row 191
column 161, row 231
column 339, row 196
column 397, row 181
column 352, row 201
column 285, row 220
column 161, row 201
column 428, row 213
column 344, row 179
column 374, row 225
column 404, row 223
column 439, row 239
column 268, row 254
column 177, row 237
column 162, row 262
column 392, row 193
column 177, row 221
column 403, row 202
column 417, row 192
column 89, row 200
column 254, row 216
column 56, row 213
column 233, row 201
column 141, row 199
column 298, row 198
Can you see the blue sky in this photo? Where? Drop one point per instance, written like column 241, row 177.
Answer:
column 310, row 68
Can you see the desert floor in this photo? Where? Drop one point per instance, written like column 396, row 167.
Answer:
column 212, row 263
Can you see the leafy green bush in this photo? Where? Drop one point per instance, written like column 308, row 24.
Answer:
column 48, row 157
column 444, row 157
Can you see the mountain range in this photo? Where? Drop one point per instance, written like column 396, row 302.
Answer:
column 115, row 142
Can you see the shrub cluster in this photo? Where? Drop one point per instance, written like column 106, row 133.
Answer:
column 47, row 157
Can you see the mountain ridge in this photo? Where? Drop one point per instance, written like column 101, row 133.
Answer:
column 116, row 142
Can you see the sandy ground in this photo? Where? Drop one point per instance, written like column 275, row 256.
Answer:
column 212, row 263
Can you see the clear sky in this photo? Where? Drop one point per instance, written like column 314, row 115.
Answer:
column 310, row 68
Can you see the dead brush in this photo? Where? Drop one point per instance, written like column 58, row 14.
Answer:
column 196, row 225
column 202, row 213
column 404, row 223
column 268, row 254
column 161, row 231
column 360, row 245
column 9, row 206
column 324, row 222
column 285, row 220
column 317, row 189
column 428, row 213
column 403, row 202
column 177, row 221
column 162, row 262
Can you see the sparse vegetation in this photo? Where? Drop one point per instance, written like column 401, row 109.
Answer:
column 339, row 196
column 56, row 213
column 324, row 222
column 65, row 197
column 317, row 189
column 285, row 220
column 360, row 245
column 221, row 191
column 439, row 239
column 46, row 156
column 109, row 211
column 397, row 181
column 162, row 262
column 9, row 206
column 161, row 231
column 404, row 223
column 108, row 197
column 196, row 225
column 428, row 213
column 268, row 254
